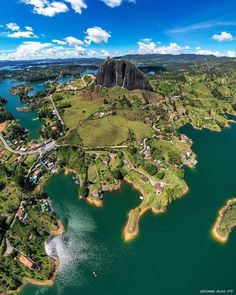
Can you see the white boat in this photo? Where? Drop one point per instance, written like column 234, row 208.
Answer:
column 141, row 197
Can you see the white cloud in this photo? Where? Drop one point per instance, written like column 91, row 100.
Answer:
column 28, row 28
column 72, row 41
column 16, row 31
column 38, row 50
column 116, row 3
column 147, row 46
column 223, row 36
column 59, row 42
column 80, row 50
column 46, row 8
column 77, row 5
column 27, row 50
column 13, row 27
column 51, row 8
column 112, row 3
column 229, row 53
column 22, row 34
column 96, row 35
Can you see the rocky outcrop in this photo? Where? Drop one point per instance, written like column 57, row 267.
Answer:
column 121, row 73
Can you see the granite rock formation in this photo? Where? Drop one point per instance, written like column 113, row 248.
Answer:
column 121, row 73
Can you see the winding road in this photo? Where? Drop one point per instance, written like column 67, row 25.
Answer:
column 7, row 147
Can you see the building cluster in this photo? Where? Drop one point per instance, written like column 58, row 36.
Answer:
column 45, row 165
column 22, row 213
column 107, row 113
column 158, row 186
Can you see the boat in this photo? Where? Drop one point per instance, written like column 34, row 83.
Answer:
column 141, row 197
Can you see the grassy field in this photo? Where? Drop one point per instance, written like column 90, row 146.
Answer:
column 80, row 110
column 111, row 130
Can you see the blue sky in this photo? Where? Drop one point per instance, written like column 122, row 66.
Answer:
column 31, row 29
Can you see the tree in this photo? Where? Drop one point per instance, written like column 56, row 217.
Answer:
column 160, row 174
column 181, row 173
column 174, row 157
column 150, row 168
column 118, row 174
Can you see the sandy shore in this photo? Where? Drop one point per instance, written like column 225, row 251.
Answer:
column 94, row 202
column 99, row 202
column 130, row 236
column 59, row 231
column 214, row 231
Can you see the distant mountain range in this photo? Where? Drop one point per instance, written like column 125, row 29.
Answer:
column 138, row 59
column 169, row 58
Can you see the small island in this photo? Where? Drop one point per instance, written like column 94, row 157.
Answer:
column 119, row 126
column 226, row 221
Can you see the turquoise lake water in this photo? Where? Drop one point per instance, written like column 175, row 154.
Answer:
column 28, row 120
column 174, row 253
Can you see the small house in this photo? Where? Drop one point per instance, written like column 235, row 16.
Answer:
column 144, row 179
column 27, row 262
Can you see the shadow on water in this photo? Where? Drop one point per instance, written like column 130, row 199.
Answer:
column 174, row 253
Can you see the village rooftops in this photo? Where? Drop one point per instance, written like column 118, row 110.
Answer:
column 159, row 186
column 144, row 179
column 113, row 156
column 96, row 193
column 21, row 214
column 27, row 262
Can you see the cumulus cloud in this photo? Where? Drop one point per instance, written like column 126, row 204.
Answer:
column 77, row 5
column 52, row 8
column 147, row 46
column 22, row 34
column 72, row 41
column 116, row 3
column 16, row 31
column 96, row 35
column 38, row 50
column 13, row 27
column 112, row 3
column 47, row 8
column 229, row 53
column 28, row 28
column 59, row 42
column 223, row 36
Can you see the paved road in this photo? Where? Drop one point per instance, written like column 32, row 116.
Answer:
column 56, row 111
column 7, row 147
column 41, row 150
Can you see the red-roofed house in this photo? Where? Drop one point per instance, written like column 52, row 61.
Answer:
column 27, row 262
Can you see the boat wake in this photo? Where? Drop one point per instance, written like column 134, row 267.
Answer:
column 74, row 249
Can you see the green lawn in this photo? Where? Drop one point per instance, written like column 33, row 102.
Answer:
column 112, row 130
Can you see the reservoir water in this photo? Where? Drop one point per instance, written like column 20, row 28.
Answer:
column 28, row 120
column 174, row 253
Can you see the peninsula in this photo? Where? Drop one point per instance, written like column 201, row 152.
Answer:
column 120, row 125
column 226, row 221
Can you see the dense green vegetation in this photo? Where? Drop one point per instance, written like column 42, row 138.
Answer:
column 227, row 220
column 110, row 134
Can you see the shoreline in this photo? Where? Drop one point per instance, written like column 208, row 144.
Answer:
column 221, row 212
column 98, row 203
column 130, row 236
column 49, row 282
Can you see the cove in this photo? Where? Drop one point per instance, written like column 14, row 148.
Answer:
column 174, row 252
column 28, row 120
